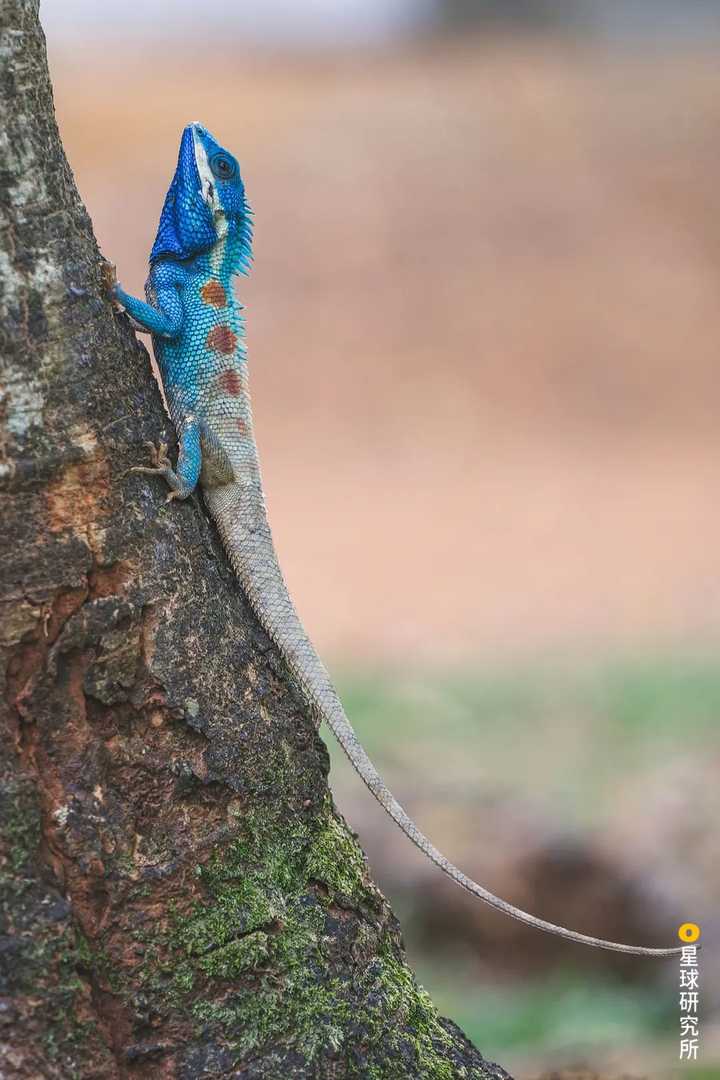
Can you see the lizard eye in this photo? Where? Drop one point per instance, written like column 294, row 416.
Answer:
column 223, row 167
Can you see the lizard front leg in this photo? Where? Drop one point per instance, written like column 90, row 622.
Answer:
column 165, row 319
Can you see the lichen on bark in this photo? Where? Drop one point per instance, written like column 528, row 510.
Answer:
column 179, row 897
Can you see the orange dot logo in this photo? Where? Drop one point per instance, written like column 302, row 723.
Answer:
column 689, row 932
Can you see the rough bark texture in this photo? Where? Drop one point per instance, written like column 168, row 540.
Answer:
column 179, row 897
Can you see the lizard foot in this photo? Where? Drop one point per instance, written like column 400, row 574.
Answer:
column 109, row 282
column 159, row 458
column 162, row 466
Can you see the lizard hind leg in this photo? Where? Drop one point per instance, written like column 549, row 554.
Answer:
column 182, row 480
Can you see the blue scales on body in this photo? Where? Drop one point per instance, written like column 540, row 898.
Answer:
column 203, row 241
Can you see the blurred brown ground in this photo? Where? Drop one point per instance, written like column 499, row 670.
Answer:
column 483, row 324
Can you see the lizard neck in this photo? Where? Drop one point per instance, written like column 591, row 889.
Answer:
column 230, row 253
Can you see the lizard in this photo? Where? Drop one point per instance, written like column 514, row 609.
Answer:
column 204, row 239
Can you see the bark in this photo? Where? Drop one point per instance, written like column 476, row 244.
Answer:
column 179, row 896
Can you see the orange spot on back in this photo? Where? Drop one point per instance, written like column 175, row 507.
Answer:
column 241, row 426
column 221, row 339
column 213, row 294
column 230, row 382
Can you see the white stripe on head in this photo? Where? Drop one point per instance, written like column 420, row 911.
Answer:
column 208, row 192
column 209, row 195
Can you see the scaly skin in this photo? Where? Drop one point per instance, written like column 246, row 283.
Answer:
column 198, row 337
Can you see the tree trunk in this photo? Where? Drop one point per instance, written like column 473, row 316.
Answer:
column 179, row 895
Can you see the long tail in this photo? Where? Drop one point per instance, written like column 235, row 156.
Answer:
column 239, row 513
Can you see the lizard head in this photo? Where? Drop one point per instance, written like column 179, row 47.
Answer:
column 205, row 201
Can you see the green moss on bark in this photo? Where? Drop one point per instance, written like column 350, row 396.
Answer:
column 292, row 926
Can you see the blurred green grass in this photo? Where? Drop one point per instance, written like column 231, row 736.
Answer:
column 570, row 735
column 587, row 724
column 552, row 1016
column 565, row 1019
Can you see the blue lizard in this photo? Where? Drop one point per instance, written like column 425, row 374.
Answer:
column 203, row 241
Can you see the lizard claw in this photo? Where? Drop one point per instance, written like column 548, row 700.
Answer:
column 158, row 456
column 109, row 282
column 160, row 461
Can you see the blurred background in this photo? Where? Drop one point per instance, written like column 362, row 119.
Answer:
column 484, row 330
